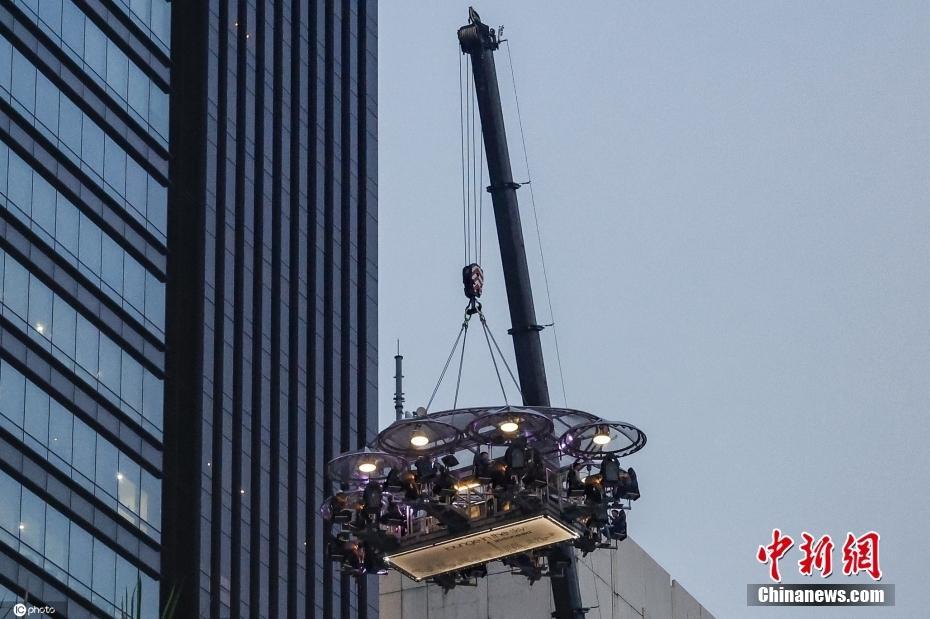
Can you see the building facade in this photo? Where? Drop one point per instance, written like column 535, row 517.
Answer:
column 622, row 583
column 84, row 121
column 271, row 308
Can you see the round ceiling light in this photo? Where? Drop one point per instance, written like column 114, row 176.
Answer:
column 419, row 439
column 602, row 437
column 509, row 427
column 367, row 467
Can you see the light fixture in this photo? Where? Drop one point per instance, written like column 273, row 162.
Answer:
column 509, row 427
column 602, row 437
column 419, row 439
column 22, row 527
column 119, row 477
column 367, row 467
column 40, row 327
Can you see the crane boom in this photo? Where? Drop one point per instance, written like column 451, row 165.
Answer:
column 479, row 42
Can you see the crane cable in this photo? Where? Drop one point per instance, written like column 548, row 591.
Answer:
column 542, row 257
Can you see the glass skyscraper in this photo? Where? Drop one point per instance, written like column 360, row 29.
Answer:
column 84, row 176
column 271, row 304
column 188, row 300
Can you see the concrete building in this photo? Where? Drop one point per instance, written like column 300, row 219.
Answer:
column 617, row 584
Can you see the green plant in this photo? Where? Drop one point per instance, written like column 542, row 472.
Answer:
column 132, row 603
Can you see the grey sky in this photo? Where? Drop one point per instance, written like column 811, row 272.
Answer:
column 735, row 207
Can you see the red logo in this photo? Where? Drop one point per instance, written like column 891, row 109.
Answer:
column 817, row 555
column 860, row 554
column 773, row 552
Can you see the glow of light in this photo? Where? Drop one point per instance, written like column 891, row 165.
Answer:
column 367, row 467
column 40, row 327
column 119, row 477
column 601, row 438
column 242, row 491
column 509, row 427
column 467, row 484
column 419, row 439
column 22, row 527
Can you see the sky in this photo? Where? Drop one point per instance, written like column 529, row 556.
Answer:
column 734, row 207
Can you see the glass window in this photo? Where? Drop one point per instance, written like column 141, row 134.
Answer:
column 32, row 522
column 134, row 284
column 127, row 578
column 117, row 69
column 95, row 47
column 56, row 538
column 103, row 60
column 67, row 225
column 40, row 307
column 64, row 335
column 114, row 170
column 104, row 571
column 80, row 554
column 50, row 13
column 72, row 28
column 85, row 440
column 92, row 140
column 24, row 81
column 15, row 287
column 43, row 203
column 112, row 270
column 12, row 395
column 70, row 126
column 131, row 382
column 6, row 63
column 87, row 345
column 60, row 423
column 107, row 467
column 109, row 364
column 79, row 241
column 19, row 186
column 9, row 506
column 47, row 103
column 36, row 414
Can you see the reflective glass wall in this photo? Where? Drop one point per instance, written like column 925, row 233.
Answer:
column 272, row 305
column 84, row 135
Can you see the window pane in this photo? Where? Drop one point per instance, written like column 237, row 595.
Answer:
column 64, row 335
column 60, row 422
column 104, row 570
column 32, row 529
column 37, row 413
column 12, row 394
column 9, row 506
column 80, row 555
column 95, row 48
column 56, row 538
column 117, row 69
column 72, row 28
column 47, row 103
column 15, row 287
column 87, row 346
column 90, row 242
column 85, row 450
column 40, row 306
column 67, row 225
column 19, row 188
column 43, row 203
